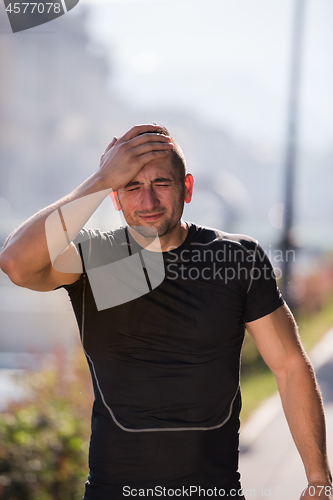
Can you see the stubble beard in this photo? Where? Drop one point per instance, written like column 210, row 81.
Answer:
column 163, row 230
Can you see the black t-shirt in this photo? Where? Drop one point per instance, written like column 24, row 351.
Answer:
column 165, row 366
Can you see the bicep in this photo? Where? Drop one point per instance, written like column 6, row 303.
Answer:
column 277, row 339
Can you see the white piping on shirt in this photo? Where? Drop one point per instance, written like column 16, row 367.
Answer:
column 153, row 429
column 254, row 259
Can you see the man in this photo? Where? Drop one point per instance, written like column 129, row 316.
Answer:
column 165, row 365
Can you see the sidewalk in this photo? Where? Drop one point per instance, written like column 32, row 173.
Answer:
column 269, row 462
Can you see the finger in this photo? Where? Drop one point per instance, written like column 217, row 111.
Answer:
column 138, row 129
column 112, row 143
column 148, row 138
column 148, row 147
column 150, row 156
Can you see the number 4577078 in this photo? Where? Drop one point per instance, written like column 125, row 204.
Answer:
column 31, row 7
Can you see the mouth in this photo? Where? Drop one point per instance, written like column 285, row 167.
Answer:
column 151, row 217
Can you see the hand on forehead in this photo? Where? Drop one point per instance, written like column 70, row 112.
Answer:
column 160, row 170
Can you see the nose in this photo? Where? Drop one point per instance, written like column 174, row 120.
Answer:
column 149, row 199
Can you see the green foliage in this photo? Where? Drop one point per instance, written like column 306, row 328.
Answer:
column 312, row 326
column 252, row 361
column 44, row 439
column 257, row 381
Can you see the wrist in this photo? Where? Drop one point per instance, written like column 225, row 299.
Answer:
column 100, row 182
column 318, row 486
column 318, row 489
column 320, row 477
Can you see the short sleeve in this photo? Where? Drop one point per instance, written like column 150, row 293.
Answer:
column 263, row 296
column 89, row 239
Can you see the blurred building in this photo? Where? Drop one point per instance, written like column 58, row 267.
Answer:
column 56, row 118
column 58, row 115
column 56, row 112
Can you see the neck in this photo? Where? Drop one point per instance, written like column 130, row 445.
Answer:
column 175, row 238
column 169, row 241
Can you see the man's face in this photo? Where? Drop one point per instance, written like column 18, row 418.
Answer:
column 153, row 199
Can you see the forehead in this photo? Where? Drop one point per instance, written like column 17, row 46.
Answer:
column 156, row 169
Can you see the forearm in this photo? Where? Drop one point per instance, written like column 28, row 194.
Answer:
column 28, row 249
column 277, row 339
column 303, row 408
column 31, row 250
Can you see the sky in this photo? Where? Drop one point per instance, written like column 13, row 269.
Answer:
column 227, row 61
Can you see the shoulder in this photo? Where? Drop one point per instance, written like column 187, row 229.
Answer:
column 94, row 240
column 205, row 236
column 114, row 236
column 98, row 248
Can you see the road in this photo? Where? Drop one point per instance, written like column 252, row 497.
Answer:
column 269, row 462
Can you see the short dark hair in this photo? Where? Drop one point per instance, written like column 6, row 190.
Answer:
column 177, row 158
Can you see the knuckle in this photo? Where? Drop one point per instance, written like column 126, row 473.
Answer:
column 135, row 161
column 131, row 154
column 136, row 128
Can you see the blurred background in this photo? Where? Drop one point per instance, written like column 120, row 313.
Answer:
column 247, row 92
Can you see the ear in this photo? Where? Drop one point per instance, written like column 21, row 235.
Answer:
column 115, row 200
column 189, row 181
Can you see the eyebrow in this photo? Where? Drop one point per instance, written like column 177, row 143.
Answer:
column 154, row 181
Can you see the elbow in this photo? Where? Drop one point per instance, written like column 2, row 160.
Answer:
column 295, row 366
column 4, row 262
column 10, row 266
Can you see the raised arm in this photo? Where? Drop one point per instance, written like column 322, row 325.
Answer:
column 26, row 253
column 277, row 339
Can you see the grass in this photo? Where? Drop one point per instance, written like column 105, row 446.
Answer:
column 255, row 388
column 313, row 326
column 257, row 381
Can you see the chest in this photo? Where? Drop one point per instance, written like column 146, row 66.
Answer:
column 182, row 315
